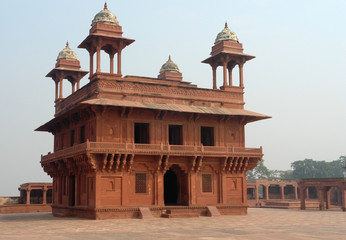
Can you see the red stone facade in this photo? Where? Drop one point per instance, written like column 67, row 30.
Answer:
column 122, row 143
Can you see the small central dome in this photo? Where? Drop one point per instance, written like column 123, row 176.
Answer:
column 67, row 53
column 169, row 66
column 226, row 35
column 105, row 16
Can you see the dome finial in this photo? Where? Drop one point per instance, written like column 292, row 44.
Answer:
column 226, row 35
column 105, row 16
column 169, row 66
column 67, row 53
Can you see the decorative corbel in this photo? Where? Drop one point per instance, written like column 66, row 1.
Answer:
column 193, row 163
column 130, row 158
column 117, row 162
column 165, row 163
column 199, row 163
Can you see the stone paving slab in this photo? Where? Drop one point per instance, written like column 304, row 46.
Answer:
column 259, row 224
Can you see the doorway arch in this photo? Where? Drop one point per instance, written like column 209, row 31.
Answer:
column 170, row 188
column 175, row 186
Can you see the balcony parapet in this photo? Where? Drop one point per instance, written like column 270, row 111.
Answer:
column 151, row 149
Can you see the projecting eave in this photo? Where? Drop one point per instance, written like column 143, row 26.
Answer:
column 86, row 42
column 53, row 72
column 248, row 115
column 217, row 57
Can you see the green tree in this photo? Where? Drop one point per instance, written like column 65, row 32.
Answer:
column 309, row 168
column 259, row 172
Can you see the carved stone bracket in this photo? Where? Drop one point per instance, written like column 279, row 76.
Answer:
column 196, row 164
column 130, row 158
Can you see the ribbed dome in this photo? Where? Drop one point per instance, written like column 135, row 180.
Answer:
column 226, row 35
column 105, row 16
column 67, row 53
column 169, row 66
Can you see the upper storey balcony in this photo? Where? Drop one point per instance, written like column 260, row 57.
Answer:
column 152, row 150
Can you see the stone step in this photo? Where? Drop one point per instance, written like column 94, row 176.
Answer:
column 179, row 215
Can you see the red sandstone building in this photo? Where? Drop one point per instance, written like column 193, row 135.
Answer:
column 129, row 146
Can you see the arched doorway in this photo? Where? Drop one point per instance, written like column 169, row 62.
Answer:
column 175, row 186
column 170, row 188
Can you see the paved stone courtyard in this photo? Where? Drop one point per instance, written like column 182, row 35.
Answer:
column 258, row 224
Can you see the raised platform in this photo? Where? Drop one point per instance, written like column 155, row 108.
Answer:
column 290, row 204
column 155, row 211
column 23, row 208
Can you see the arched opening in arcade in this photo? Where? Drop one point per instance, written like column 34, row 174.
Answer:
column 335, row 196
column 312, row 193
column 262, row 192
column 49, row 195
column 36, row 196
column 274, row 191
column 250, row 193
column 289, row 192
column 175, row 186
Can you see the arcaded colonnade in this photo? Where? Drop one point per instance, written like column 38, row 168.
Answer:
column 35, row 193
column 263, row 189
column 324, row 187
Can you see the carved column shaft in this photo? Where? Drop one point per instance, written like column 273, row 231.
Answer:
column 214, row 77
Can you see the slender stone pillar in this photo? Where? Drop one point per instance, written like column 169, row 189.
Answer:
column 230, row 76
column 241, row 82
column 214, row 77
column 91, row 71
column 267, row 192
column 328, row 198
column 56, row 90
column 343, row 193
column 302, row 198
column 282, row 192
column 28, row 196
column 224, row 73
column 296, row 192
column 307, row 193
column 60, row 85
column 44, row 201
column 321, row 198
column 98, row 55
column 119, row 62
column 111, row 60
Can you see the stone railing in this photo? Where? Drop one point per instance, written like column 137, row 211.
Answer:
column 151, row 149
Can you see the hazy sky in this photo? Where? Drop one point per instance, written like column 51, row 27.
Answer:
column 298, row 76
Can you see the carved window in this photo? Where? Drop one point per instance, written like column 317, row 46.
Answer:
column 71, row 138
column 206, row 183
column 141, row 183
column 175, row 135
column 207, row 136
column 82, row 134
column 142, row 133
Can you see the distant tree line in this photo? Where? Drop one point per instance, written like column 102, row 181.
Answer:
column 306, row 168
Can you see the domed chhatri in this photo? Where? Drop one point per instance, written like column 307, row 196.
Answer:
column 67, row 53
column 105, row 16
column 226, row 35
column 169, row 66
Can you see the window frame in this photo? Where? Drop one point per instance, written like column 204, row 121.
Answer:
column 207, row 186
column 145, row 183
column 212, row 135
